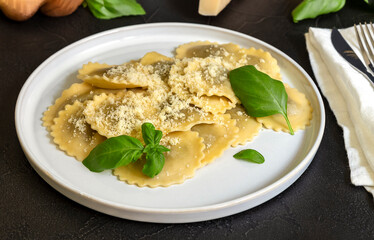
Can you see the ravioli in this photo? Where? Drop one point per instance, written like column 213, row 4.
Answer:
column 120, row 114
column 124, row 113
column 77, row 91
column 212, row 104
column 217, row 137
column 203, row 49
column 153, row 58
column 299, row 112
column 184, row 119
column 73, row 134
column 184, row 158
column 248, row 126
column 263, row 62
column 129, row 75
column 232, row 55
column 201, row 77
column 188, row 97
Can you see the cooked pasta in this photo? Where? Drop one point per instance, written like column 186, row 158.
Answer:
column 188, row 97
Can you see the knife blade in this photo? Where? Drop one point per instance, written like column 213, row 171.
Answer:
column 348, row 54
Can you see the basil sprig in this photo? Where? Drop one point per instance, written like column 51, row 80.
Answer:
column 154, row 151
column 108, row 9
column 313, row 8
column 260, row 95
column 250, row 155
column 123, row 150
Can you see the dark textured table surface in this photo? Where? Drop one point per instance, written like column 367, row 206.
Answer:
column 321, row 204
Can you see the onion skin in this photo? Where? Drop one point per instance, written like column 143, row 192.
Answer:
column 22, row 10
column 59, row 8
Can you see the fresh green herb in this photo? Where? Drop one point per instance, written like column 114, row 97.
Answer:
column 123, row 150
column 151, row 136
column 108, row 9
column 154, row 151
column 155, row 162
column 260, row 95
column 114, row 152
column 313, row 8
column 250, row 155
column 370, row 2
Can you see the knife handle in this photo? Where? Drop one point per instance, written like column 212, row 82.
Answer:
column 369, row 76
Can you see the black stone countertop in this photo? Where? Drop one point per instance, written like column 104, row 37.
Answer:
column 321, row 204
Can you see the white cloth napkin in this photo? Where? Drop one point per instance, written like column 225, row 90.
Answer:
column 351, row 98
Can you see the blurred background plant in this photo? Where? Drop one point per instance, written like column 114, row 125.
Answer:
column 108, row 9
column 314, row 8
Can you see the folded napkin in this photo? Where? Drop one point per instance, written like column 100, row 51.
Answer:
column 351, row 98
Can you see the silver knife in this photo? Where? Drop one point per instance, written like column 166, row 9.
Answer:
column 348, row 54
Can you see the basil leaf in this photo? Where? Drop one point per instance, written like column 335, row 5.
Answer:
column 158, row 148
column 260, row 95
column 157, row 137
column 150, row 135
column 108, row 9
column 148, row 148
column 314, row 8
column 120, row 151
column 155, row 163
column 148, row 132
column 250, row 155
column 114, row 152
column 161, row 148
column 155, row 158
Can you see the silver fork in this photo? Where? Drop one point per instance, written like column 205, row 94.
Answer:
column 366, row 43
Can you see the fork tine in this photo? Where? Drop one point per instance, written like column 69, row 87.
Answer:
column 371, row 35
column 361, row 44
column 369, row 46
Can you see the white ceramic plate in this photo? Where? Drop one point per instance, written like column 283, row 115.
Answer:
column 225, row 187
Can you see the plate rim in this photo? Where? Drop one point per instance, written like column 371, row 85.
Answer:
column 55, row 183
